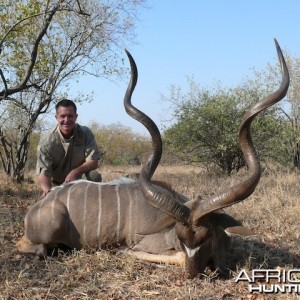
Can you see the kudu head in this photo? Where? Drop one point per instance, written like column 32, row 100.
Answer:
column 201, row 226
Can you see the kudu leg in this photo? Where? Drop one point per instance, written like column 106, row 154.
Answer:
column 26, row 246
column 177, row 258
column 45, row 227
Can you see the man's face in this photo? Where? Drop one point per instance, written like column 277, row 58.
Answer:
column 66, row 118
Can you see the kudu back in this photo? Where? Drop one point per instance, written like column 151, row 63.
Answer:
column 154, row 222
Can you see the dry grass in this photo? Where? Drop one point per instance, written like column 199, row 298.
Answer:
column 272, row 212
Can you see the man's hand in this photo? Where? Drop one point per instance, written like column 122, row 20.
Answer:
column 73, row 175
column 45, row 183
column 85, row 167
column 44, row 194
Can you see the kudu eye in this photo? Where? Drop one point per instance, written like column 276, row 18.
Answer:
column 202, row 233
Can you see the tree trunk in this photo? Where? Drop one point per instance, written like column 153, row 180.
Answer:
column 14, row 156
column 296, row 156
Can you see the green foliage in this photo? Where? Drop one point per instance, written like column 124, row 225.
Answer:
column 32, row 151
column 120, row 145
column 206, row 127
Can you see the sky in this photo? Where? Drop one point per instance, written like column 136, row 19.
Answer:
column 210, row 40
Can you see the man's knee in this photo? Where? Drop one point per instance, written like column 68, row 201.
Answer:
column 92, row 175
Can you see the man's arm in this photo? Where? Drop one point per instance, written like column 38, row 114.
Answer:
column 85, row 167
column 45, row 184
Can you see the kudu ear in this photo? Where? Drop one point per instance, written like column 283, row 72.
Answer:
column 230, row 225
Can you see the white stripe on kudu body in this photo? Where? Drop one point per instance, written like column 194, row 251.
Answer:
column 53, row 204
column 99, row 214
column 129, row 220
column 85, row 221
column 118, row 213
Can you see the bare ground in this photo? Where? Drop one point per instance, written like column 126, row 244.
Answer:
column 272, row 212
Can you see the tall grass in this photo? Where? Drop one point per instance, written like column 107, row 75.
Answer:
column 272, row 212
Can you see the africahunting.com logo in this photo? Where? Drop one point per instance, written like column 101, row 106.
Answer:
column 271, row 280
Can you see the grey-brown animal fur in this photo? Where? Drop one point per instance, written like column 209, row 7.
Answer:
column 154, row 222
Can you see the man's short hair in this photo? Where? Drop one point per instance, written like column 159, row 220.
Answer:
column 66, row 103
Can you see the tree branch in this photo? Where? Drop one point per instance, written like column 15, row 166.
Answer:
column 23, row 85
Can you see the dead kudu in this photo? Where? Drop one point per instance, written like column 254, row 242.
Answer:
column 154, row 222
